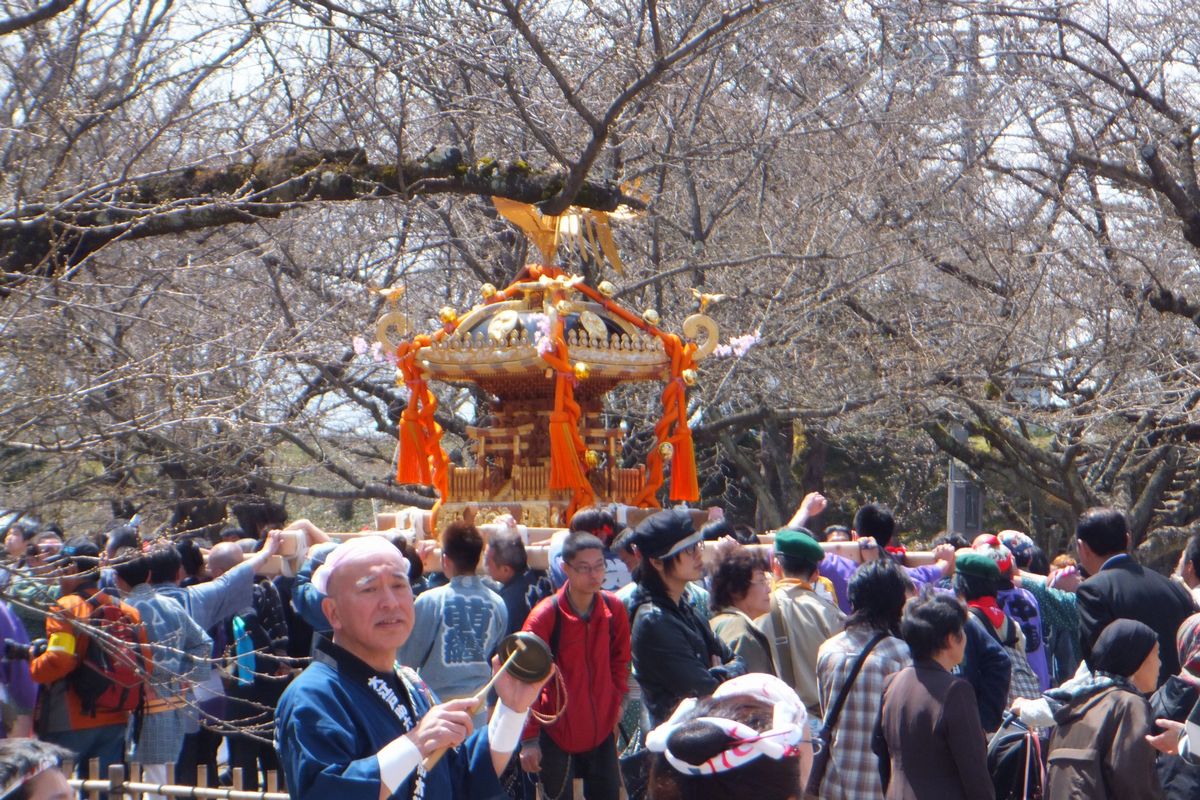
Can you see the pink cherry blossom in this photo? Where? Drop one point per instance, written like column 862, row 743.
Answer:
column 541, row 334
column 738, row 346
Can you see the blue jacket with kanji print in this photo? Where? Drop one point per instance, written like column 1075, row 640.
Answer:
column 339, row 713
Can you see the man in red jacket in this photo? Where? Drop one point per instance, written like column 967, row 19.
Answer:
column 588, row 632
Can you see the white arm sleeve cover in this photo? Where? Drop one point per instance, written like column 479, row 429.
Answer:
column 505, row 728
column 397, row 760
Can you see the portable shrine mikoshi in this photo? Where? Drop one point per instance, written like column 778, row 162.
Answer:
column 546, row 349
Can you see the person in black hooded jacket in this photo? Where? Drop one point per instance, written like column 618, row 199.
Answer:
column 675, row 653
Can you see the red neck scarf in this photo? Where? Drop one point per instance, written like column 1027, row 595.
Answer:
column 990, row 609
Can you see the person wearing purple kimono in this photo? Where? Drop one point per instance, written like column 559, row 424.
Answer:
column 874, row 527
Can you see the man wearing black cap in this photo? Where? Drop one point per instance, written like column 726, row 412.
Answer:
column 61, row 718
column 675, row 653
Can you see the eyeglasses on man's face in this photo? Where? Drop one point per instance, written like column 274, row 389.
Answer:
column 588, row 569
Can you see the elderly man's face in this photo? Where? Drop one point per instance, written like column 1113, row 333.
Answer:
column 370, row 603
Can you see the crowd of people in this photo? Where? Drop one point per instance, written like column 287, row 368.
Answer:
column 688, row 662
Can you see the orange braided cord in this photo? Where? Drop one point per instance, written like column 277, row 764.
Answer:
column 422, row 459
column 673, row 428
column 567, row 447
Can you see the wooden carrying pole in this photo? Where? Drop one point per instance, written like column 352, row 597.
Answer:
column 538, row 553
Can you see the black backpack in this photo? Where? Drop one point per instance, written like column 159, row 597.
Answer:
column 610, row 601
column 1014, row 760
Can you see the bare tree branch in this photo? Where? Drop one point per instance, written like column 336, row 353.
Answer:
column 49, row 237
column 31, row 18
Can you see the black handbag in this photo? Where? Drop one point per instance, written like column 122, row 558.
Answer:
column 635, row 773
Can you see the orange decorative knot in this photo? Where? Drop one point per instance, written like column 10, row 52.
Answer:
column 421, row 459
column 673, row 434
column 567, row 449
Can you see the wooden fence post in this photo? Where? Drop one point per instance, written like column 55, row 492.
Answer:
column 116, row 780
column 93, row 773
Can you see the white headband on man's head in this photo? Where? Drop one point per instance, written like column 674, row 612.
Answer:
column 788, row 726
column 369, row 545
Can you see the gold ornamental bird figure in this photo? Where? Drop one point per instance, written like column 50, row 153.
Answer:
column 707, row 300
column 392, row 293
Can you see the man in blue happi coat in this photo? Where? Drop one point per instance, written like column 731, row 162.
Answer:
column 357, row 726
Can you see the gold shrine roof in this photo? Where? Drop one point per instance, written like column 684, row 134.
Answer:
column 499, row 344
column 501, row 339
